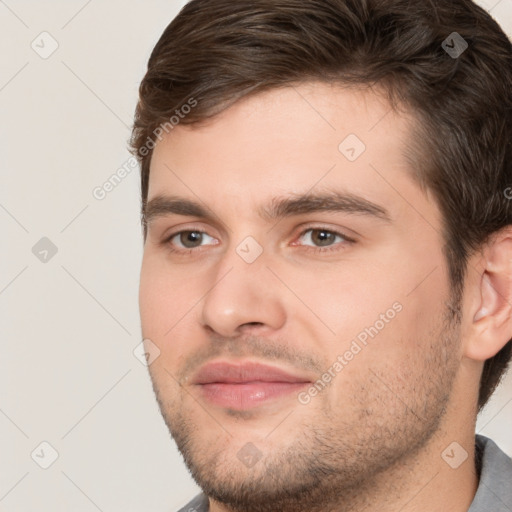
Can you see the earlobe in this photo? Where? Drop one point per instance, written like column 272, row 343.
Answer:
column 488, row 294
column 481, row 313
column 491, row 327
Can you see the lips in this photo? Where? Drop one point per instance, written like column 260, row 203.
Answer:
column 247, row 385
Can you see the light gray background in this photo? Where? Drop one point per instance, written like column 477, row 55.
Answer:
column 68, row 375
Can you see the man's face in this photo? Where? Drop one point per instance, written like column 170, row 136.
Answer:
column 349, row 302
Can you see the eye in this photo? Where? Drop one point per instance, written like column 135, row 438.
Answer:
column 188, row 239
column 319, row 239
column 322, row 237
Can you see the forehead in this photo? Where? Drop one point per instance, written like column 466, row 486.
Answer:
column 292, row 140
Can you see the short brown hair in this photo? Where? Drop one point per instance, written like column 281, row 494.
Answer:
column 218, row 51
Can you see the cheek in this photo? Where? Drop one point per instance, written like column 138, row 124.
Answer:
column 341, row 300
column 151, row 299
column 163, row 298
column 391, row 306
column 169, row 308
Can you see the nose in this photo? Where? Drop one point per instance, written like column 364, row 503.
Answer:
column 242, row 296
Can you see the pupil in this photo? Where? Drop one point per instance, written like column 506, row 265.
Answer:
column 324, row 237
column 188, row 239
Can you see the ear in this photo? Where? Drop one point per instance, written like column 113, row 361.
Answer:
column 489, row 313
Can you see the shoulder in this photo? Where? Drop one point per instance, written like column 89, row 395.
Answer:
column 198, row 504
column 495, row 486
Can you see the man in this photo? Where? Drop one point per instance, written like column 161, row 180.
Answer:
column 327, row 271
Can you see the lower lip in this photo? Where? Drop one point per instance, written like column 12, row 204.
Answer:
column 247, row 395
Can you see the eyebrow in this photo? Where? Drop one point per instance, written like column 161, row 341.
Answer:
column 278, row 208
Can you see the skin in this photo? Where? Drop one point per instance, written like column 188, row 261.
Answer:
column 373, row 439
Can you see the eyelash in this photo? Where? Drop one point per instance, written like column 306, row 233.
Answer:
column 334, row 247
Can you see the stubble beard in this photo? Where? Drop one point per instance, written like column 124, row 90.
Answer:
column 331, row 461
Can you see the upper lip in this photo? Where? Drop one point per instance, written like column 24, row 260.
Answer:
column 220, row 371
